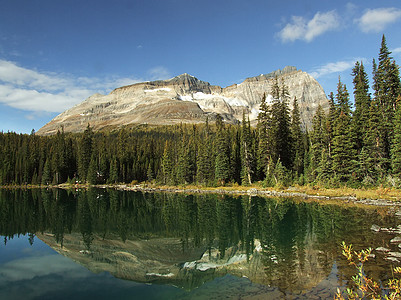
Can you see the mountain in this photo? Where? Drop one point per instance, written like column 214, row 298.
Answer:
column 168, row 261
column 187, row 99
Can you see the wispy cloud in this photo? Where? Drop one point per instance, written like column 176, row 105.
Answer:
column 396, row 51
column 376, row 20
column 37, row 91
column 307, row 30
column 158, row 73
column 334, row 67
column 30, row 267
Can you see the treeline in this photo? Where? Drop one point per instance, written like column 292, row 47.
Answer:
column 354, row 146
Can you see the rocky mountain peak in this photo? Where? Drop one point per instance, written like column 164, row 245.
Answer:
column 277, row 73
column 186, row 99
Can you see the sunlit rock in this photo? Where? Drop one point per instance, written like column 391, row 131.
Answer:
column 186, row 99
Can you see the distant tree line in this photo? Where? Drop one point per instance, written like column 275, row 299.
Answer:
column 358, row 146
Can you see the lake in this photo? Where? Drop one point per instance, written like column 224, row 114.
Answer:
column 102, row 244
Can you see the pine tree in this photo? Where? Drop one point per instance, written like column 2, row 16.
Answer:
column 343, row 149
column 264, row 124
column 387, row 88
column 183, row 164
column 280, row 133
column 362, row 104
column 318, row 145
column 297, row 138
column 85, row 153
column 222, row 161
column 204, row 171
column 343, row 145
column 331, row 120
column 167, row 165
column 149, row 173
column 123, row 154
column 92, row 171
column 46, row 177
column 396, row 146
column 113, row 171
column 247, row 156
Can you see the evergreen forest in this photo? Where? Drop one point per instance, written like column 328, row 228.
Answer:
column 357, row 145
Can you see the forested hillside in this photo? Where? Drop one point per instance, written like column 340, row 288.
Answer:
column 356, row 145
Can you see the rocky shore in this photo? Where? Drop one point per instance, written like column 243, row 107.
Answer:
column 224, row 191
column 255, row 192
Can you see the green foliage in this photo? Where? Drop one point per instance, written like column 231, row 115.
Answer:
column 263, row 127
column 396, row 146
column 85, row 153
column 222, row 151
column 297, row 139
column 362, row 104
column 247, row 155
column 46, row 177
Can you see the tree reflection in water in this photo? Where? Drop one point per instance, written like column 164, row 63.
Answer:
column 189, row 239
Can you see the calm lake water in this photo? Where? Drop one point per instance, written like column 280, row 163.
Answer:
column 101, row 244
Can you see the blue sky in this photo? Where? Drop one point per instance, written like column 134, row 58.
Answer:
column 54, row 54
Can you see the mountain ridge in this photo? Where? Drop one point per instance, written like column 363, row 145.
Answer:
column 186, row 99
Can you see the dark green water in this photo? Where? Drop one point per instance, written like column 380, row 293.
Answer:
column 101, row 244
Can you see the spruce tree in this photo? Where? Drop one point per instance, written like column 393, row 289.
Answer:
column 343, row 154
column 396, row 146
column 280, row 134
column 222, row 161
column 92, row 171
column 343, row 145
column 204, row 169
column 387, row 88
column 149, row 173
column 264, row 123
column 183, row 164
column 113, row 171
column 297, row 138
column 362, row 104
column 85, row 153
column 168, row 165
column 317, row 142
column 46, row 177
column 331, row 119
column 247, row 155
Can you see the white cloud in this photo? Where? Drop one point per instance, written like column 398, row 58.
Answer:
column 30, row 267
column 302, row 29
column 13, row 74
column 334, row 67
column 375, row 20
column 36, row 91
column 350, row 8
column 396, row 51
column 159, row 73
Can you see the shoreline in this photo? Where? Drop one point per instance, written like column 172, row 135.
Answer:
column 323, row 194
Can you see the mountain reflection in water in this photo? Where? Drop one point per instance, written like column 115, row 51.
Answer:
column 187, row 240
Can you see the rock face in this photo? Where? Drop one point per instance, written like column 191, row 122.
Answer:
column 187, row 99
column 166, row 261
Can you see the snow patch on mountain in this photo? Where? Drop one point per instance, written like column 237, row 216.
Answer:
column 158, row 90
column 208, row 98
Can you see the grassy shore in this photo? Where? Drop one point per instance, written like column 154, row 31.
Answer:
column 380, row 192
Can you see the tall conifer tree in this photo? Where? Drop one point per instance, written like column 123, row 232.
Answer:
column 362, row 104
column 85, row 153
column 297, row 138
column 222, row 161
column 264, row 124
column 343, row 152
column 247, row 155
